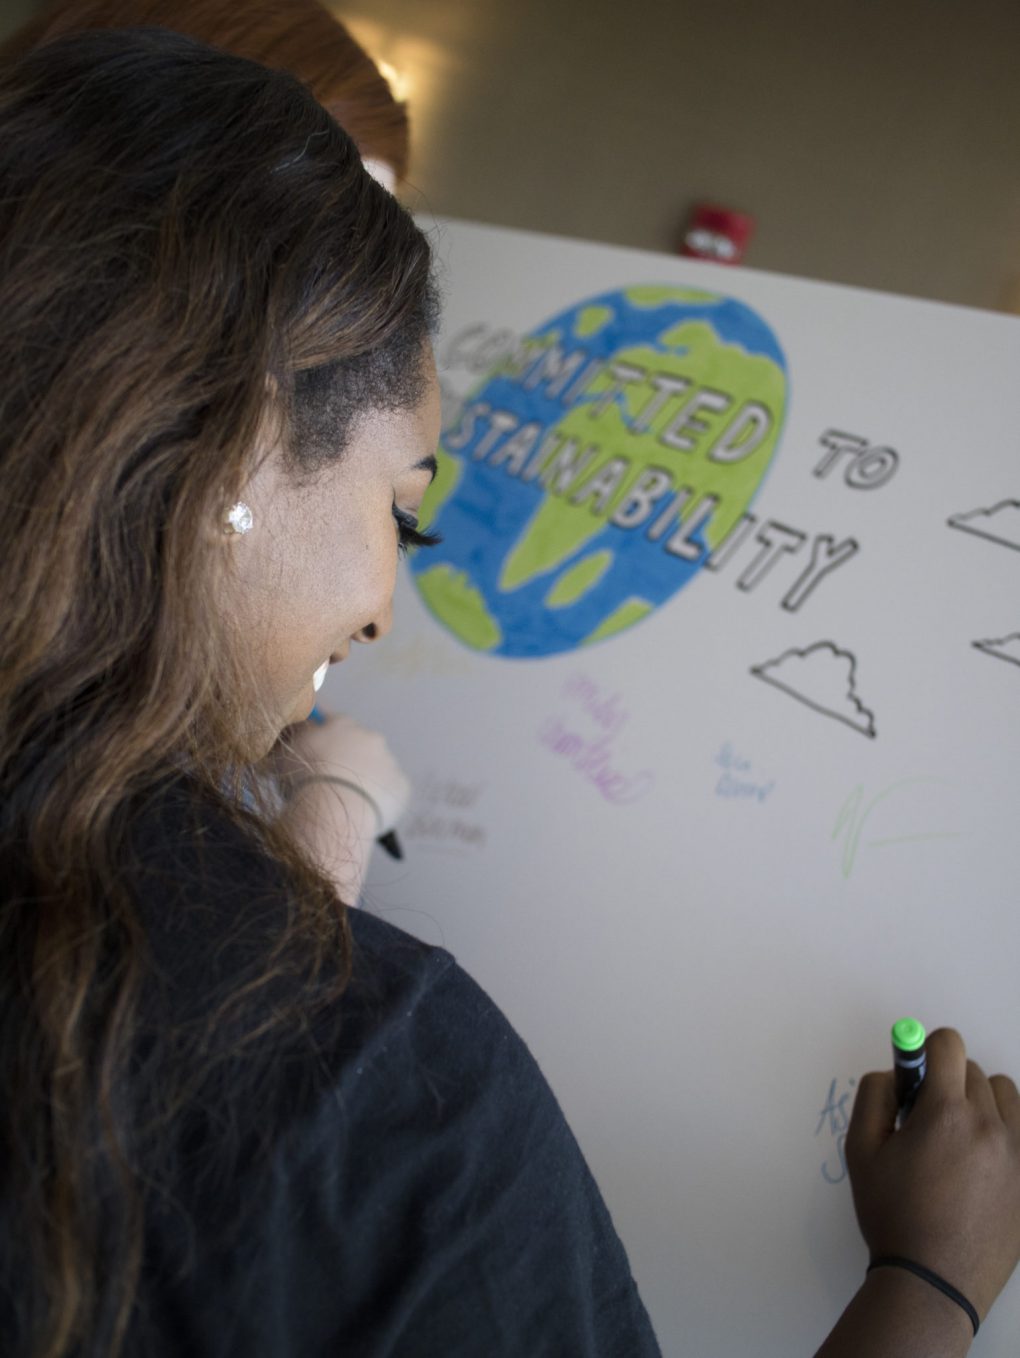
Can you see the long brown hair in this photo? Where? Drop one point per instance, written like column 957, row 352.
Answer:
column 299, row 36
column 180, row 231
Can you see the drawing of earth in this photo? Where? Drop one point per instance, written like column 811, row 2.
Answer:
column 593, row 473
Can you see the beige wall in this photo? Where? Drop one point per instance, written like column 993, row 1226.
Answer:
column 876, row 141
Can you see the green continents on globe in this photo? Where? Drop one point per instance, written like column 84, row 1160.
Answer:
column 592, row 474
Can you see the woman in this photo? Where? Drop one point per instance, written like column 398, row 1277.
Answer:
column 237, row 1118
column 299, row 36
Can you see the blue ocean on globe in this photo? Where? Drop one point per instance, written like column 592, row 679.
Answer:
column 524, row 570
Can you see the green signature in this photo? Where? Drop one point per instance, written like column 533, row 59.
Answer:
column 854, row 814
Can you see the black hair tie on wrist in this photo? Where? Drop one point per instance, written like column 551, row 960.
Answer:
column 947, row 1289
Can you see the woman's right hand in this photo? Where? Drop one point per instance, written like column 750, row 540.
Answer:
column 944, row 1189
column 339, row 747
column 338, row 821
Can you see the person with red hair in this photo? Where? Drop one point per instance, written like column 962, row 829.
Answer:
column 299, row 36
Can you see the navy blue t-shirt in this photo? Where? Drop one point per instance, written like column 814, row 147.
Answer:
column 418, row 1193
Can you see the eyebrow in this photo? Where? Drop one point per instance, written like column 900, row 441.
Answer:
column 427, row 464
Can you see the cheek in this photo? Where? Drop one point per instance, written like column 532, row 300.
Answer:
column 363, row 577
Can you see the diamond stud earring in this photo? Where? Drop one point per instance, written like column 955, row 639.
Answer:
column 239, row 520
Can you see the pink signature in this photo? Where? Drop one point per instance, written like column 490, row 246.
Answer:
column 592, row 759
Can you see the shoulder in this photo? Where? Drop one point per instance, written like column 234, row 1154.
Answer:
column 411, row 1027
column 434, row 1030
column 215, row 909
column 179, row 835
column 421, row 1191
column 211, row 902
column 437, row 1171
column 210, row 897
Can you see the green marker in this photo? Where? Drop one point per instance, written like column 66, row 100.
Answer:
column 910, row 1061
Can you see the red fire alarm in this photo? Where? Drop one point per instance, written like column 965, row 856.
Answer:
column 718, row 234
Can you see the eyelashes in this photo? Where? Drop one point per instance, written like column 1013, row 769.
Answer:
column 410, row 534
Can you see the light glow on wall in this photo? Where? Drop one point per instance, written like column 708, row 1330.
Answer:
column 399, row 82
column 419, row 70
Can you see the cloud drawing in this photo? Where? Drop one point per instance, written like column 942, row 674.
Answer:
column 1001, row 523
column 1004, row 648
column 823, row 677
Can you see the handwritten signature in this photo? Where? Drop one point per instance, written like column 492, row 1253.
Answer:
column 835, row 1119
column 732, row 784
column 443, row 815
column 592, row 753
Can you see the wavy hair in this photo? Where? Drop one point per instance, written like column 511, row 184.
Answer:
column 181, row 231
column 299, row 36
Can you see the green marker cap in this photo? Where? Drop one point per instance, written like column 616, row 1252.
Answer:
column 908, row 1035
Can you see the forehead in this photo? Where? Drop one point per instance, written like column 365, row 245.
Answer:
column 392, row 443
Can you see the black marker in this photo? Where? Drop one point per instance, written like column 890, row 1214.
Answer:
column 391, row 844
column 910, row 1061
column 389, row 840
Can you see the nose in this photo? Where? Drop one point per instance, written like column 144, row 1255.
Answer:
column 378, row 627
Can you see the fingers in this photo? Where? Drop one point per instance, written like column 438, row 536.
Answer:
column 951, row 1076
column 873, row 1119
column 1007, row 1099
column 980, row 1092
column 947, row 1066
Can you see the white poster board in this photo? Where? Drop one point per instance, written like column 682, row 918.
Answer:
column 704, row 860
